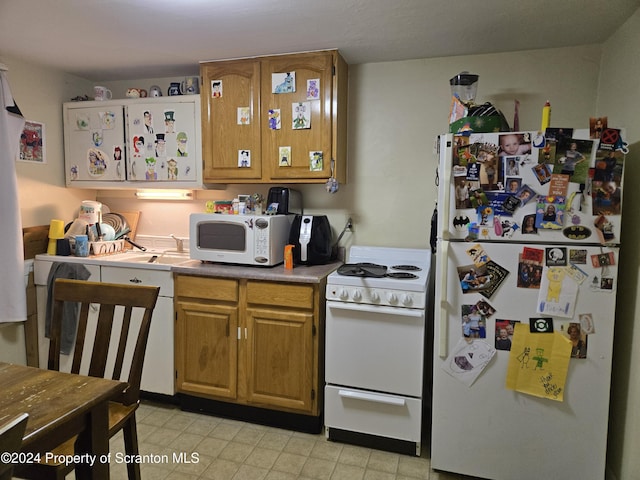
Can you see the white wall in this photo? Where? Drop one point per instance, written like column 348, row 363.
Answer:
column 39, row 93
column 619, row 100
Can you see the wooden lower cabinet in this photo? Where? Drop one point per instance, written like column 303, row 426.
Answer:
column 208, row 349
column 247, row 342
column 280, row 358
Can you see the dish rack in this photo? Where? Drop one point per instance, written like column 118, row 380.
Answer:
column 106, row 247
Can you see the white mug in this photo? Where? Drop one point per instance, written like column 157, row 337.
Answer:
column 190, row 86
column 101, row 93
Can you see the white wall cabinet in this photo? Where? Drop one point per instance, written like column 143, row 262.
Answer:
column 133, row 143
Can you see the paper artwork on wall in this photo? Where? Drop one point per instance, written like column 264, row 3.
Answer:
column 275, row 120
column 169, row 121
column 96, row 162
column 244, row 115
column 301, row 115
column 538, row 363
column 468, row 359
column 313, row 89
column 244, row 158
column 216, row 88
column 558, row 292
column 182, row 140
column 32, row 143
column 283, row 82
column 107, row 120
column 82, row 121
column 97, row 137
column 316, row 163
column 284, row 157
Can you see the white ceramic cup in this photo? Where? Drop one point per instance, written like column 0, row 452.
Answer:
column 190, row 86
column 101, row 93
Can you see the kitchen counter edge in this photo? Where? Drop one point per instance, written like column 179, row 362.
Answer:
column 299, row 274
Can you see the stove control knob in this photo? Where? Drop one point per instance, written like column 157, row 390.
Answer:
column 407, row 300
column 393, row 299
column 357, row 295
column 375, row 297
column 343, row 294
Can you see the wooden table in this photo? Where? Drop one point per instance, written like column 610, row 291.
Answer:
column 61, row 405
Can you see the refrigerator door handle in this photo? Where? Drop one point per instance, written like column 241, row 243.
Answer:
column 445, row 175
column 442, row 321
column 372, row 397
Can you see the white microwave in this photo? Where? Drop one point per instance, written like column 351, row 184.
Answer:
column 239, row 239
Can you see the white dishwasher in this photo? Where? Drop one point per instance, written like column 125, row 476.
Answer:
column 158, row 373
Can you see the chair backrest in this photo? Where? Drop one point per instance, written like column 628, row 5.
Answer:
column 11, row 434
column 119, row 306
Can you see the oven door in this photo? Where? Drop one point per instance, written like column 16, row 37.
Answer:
column 375, row 347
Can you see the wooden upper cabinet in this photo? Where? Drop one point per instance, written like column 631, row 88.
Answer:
column 231, row 121
column 314, row 114
column 313, row 149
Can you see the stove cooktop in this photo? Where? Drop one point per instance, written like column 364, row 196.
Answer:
column 403, row 269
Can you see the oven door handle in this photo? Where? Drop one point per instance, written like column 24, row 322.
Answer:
column 372, row 397
column 360, row 307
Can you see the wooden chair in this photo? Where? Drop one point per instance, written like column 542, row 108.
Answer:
column 93, row 356
column 11, row 434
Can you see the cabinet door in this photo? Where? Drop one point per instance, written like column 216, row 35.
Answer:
column 280, row 359
column 94, row 143
column 231, row 121
column 306, row 124
column 206, row 349
column 164, row 142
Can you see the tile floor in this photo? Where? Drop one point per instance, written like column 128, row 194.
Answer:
column 233, row 450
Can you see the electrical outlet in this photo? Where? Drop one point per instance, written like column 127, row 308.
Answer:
column 349, row 226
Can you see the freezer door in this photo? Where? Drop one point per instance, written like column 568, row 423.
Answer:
column 489, row 431
column 513, row 196
column 94, row 143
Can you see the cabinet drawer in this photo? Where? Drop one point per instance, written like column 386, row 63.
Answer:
column 283, row 294
column 140, row 276
column 206, row 288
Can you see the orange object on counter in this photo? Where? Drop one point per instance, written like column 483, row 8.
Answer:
column 288, row 257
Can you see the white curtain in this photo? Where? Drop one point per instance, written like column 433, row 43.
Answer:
column 13, row 299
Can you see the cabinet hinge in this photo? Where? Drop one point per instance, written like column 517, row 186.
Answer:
column 176, row 374
column 333, row 70
column 313, row 394
column 313, row 330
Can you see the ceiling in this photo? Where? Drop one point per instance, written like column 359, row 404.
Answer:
column 127, row 39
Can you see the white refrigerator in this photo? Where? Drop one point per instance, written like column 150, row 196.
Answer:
column 525, row 292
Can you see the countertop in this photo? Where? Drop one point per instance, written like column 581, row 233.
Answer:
column 299, row 274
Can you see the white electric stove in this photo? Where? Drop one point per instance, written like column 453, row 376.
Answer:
column 375, row 339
